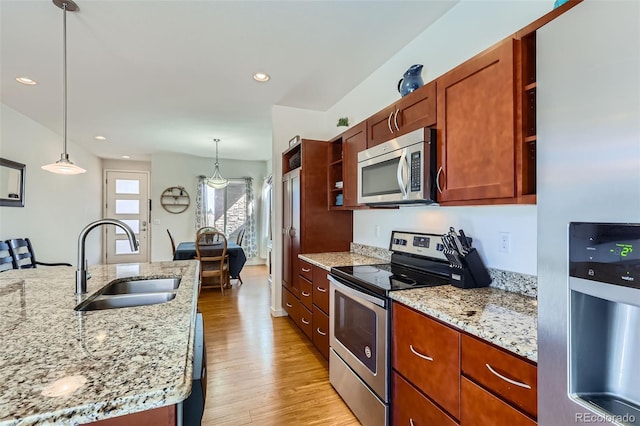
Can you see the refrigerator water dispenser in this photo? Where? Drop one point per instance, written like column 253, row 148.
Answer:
column 604, row 323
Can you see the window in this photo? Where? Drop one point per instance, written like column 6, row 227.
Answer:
column 227, row 208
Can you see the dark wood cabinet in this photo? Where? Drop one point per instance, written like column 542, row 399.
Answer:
column 415, row 110
column 308, row 226
column 476, row 119
column 163, row 416
column 442, row 375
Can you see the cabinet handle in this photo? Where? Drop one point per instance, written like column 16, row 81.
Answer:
column 389, row 122
column 305, row 294
column 438, row 179
column 395, row 119
column 292, row 232
column 306, row 270
column 411, row 421
column 506, row 379
column 321, row 290
column 320, row 332
column 428, row 358
column 289, row 305
column 305, row 322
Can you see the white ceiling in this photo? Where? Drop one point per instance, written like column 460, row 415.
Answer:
column 154, row 75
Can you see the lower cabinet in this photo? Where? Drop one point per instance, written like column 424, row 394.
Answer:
column 442, row 376
column 309, row 309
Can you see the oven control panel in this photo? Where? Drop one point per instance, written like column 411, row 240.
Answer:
column 416, row 243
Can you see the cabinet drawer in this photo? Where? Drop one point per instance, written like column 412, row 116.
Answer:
column 427, row 353
column 291, row 305
column 306, row 293
column 306, row 321
column 411, row 407
column 321, row 289
column 481, row 408
column 510, row 377
column 305, row 270
column 321, row 331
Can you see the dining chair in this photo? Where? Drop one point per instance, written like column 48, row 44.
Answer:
column 173, row 243
column 239, row 239
column 6, row 260
column 213, row 258
column 23, row 255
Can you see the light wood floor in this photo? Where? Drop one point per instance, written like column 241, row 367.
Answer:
column 262, row 370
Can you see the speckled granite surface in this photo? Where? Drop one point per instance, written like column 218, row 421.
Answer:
column 124, row 360
column 515, row 282
column 339, row 258
column 371, row 251
column 504, row 318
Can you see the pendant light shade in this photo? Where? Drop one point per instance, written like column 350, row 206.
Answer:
column 64, row 166
column 216, row 180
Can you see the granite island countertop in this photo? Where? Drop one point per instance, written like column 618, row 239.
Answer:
column 504, row 318
column 123, row 360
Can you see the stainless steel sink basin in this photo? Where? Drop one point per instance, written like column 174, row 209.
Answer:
column 124, row 300
column 142, row 286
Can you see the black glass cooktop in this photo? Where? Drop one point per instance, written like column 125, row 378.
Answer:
column 385, row 277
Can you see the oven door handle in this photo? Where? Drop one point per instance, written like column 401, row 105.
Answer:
column 355, row 294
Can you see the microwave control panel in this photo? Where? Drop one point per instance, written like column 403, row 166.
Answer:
column 416, row 171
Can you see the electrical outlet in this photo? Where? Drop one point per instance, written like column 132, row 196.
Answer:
column 504, row 242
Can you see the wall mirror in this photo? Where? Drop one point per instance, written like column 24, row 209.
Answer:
column 11, row 183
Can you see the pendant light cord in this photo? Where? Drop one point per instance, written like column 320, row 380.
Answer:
column 64, row 78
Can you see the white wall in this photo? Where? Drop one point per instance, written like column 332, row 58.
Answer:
column 171, row 169
column 467, row 29
column 57, row 207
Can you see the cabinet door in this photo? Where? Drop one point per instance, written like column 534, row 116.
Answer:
column 306, row 292
column 380, row 127
column 417, row 109
column 321, row 289
column 306, row 321
column 287, row 269
column 411, row 407
column 480, row 408
column 354, row 141
column 476, row 117
column 294, row 233
column 427, row 354
column 511, row 378
column 321, row 331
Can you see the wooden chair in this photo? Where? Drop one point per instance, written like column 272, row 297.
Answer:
column 239, row 240
column 206, row 229
column 23, row 255
column 211, row 251
column 6, row 260
column 173, row 243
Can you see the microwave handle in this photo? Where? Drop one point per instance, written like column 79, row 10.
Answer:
column 401, row 174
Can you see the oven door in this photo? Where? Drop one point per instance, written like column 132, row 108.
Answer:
column 358, row 334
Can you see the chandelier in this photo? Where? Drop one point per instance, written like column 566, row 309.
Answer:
column 216, row 180
column 64, row 166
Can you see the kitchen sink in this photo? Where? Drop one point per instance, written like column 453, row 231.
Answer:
column 141, row 286
column 124, row 300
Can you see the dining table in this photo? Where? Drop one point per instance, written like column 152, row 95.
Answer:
column 237, row 258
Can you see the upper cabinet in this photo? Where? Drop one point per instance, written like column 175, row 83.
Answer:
column 343, row 167
column 476, row 122
column 415, row 110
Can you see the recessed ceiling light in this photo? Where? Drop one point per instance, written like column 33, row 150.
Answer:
column 261, row 77
column 126, row 157
column 26, row 80
column 101, row 138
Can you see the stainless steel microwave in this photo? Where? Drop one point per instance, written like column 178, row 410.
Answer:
column 400, row 171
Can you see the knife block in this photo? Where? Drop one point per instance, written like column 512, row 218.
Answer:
column 473, row 273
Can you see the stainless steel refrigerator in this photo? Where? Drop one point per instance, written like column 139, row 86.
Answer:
column 588, row 170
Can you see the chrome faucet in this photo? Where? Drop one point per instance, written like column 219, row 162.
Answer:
column 81, row 272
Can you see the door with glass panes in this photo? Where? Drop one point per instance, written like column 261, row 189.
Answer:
column 127, row 199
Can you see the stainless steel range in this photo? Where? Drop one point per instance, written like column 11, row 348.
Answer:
column 359, row 360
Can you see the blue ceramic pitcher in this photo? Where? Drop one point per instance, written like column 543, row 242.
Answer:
column 411, row 80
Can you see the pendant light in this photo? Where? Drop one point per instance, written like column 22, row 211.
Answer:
column 216, row 180
column 64, row 166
